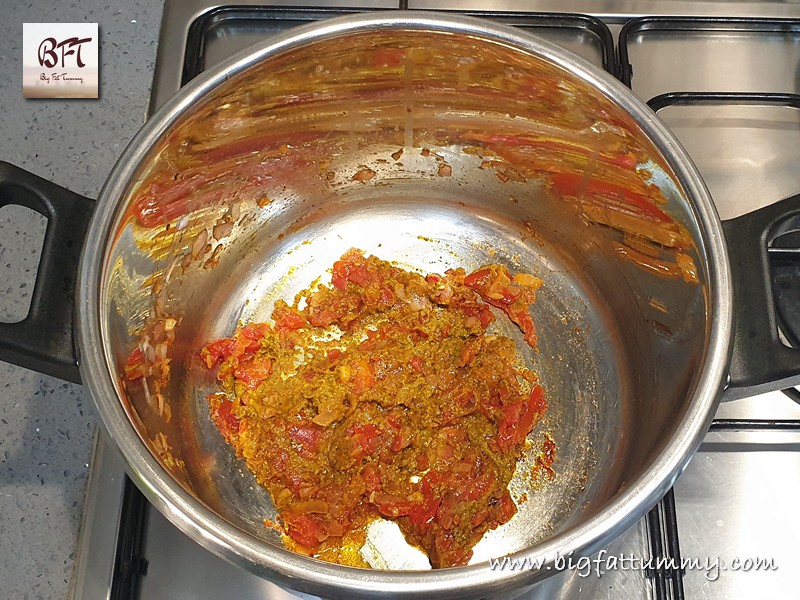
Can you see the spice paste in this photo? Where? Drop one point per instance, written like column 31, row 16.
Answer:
column 382, row 395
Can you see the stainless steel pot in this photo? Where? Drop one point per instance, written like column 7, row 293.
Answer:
column 435, row 141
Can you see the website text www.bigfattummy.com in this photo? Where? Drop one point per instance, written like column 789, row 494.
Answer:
column 603, row 562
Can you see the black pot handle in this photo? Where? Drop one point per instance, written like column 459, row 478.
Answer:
column 760, row 361
column 43, row 341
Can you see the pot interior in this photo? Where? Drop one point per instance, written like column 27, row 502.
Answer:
column 434, row 149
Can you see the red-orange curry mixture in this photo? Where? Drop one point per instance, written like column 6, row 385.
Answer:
column 383, row 395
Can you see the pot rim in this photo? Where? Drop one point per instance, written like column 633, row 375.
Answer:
column 307, row 574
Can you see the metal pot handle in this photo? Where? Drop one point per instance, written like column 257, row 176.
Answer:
column 43, row 341
column 760, row 361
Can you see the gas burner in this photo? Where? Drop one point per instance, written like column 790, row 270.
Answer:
column 725, row 85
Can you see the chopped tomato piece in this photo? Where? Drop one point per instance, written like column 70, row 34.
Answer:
column 306, row 438
column 477, row 277
column 393, row 506
column 422, row 515
column 360, row 275
column 471, row 349
column 253, row 372
column 255, row 331
column 524, row 320
column 505, row 508
column 287, row 318
column 479, row 517
column 362, row 377
column 340, row 273
column 401, row 440
column 519, row 419
column 495, row 285
column 479, row 311
column 306, row 530
column 223, row 418
column 536, row 401
column 479, row 486
column 372, row 477
column 366, row 436
column 216, row 352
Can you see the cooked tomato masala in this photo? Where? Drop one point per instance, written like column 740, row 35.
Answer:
column 382, row 395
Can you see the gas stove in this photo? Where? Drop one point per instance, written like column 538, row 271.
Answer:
column 725, row 77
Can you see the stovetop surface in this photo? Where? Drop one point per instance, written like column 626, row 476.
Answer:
column 735, row 499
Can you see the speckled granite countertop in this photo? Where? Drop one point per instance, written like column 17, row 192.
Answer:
column 46, row 425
